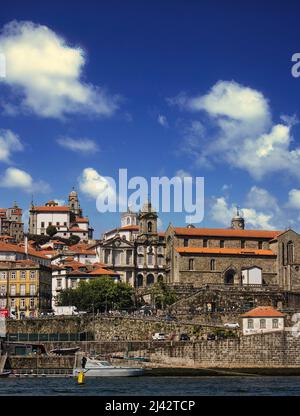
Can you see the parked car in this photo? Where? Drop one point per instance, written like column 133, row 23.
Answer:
column 159, row 336
column 211, row 337
column 184, row 337
column 231, row 325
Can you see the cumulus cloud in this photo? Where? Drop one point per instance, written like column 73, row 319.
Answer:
column 240, row 131
column 9, row 142
column 222, row 213
column 162, row 120
column 46, row 72
column 17, row 178
column 93, row 184
column 294, row 199
column 78, row 145
column 260, row 209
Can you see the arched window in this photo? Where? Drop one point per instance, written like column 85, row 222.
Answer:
column 150, row 279
column 290, row 252
column 149, row 227
column 250, row 324
column 283, row 254
column 213, row 264
column 262, row 324
column 139, row 280
column 275, row 323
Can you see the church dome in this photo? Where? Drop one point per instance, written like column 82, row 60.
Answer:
column 73, row 193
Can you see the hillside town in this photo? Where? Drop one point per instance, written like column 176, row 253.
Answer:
column 210, row 270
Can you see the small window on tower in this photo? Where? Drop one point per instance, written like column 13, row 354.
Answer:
column 149, row 227
column 222, row 244
column 191, row 264
column 260, row 245
column 205, row 243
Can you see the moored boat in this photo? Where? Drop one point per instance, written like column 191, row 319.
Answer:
column 101, row 368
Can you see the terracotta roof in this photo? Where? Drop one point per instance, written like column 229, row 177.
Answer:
column 223, row 232
column 232, row 251
column 77, row 230
column 78, row 219
column 102, row 271
column 263, row 311
column 49, row 209
column 19, row 248
column 125, row 228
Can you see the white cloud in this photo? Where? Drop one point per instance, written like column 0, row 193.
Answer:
column 240, row 132
column 78, row 145
column 221, row 212
column 9, row 142
column 17, row 178
column 47, row 73
column 93, row 184
column 162, row 120
column 294, row 199
column 262, row 199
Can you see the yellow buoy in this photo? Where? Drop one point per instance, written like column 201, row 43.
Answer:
column 80, row 378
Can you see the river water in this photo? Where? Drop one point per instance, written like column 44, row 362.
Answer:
column 161, row 386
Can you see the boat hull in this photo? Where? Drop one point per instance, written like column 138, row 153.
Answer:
column 110, row 372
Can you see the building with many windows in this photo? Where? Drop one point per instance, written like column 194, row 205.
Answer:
column 68, row 220
column 136, row 249
column 11, row 224
column 25, row 288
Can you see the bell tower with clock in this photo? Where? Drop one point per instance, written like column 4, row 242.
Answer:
column 238, row 221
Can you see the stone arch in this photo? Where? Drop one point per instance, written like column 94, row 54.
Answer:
column 229, row 276
column 139, row 280
column 150, row 279
column 160, row 278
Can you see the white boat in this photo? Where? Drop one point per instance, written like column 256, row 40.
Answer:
column 100, row 368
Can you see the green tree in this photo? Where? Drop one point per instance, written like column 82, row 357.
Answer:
column 162, row 295
column 51, row 230
column 74, row 239
column 99, row 294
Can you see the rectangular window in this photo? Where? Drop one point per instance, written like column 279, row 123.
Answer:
column 160, row 261
column 150, row 259
column 32, row 274
column 3, row 275
column 50, row 223
column 191, row 264
column 262, row 324
column 3, row 290
column 42, row 224
column 58, row 283
column 22, row 290
column 13, row 290
column 32, row 290
column 31, row 303
column 23, row 275
column 73, row 284
column 222, row 244
column 2, row 303
column 13, row 275
column 140, row 260
column 12, row 303
column 260, row 245
column 275, row 323
column 243, row 244
column 250, row 324
column 57, row 223
column 22, row 303
column 205, row 242
column 186, row 242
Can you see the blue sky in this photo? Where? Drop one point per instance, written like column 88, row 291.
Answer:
column 200, row 88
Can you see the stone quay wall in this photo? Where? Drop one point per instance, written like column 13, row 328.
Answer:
column 273, row 350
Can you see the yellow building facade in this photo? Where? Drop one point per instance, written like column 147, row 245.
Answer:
column 25, row 288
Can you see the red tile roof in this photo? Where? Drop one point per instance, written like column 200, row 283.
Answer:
column 223, row 232
column 231, row 251
column 263, row 311
column 78, row 219
column 50, row 209
column 102, row 271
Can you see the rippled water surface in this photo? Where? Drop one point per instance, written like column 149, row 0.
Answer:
column 224, row 386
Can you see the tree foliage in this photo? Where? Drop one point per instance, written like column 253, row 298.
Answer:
column 51, row 230
column 100, row 294
column 162, row 295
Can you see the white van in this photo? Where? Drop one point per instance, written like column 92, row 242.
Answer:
column 159, row 336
